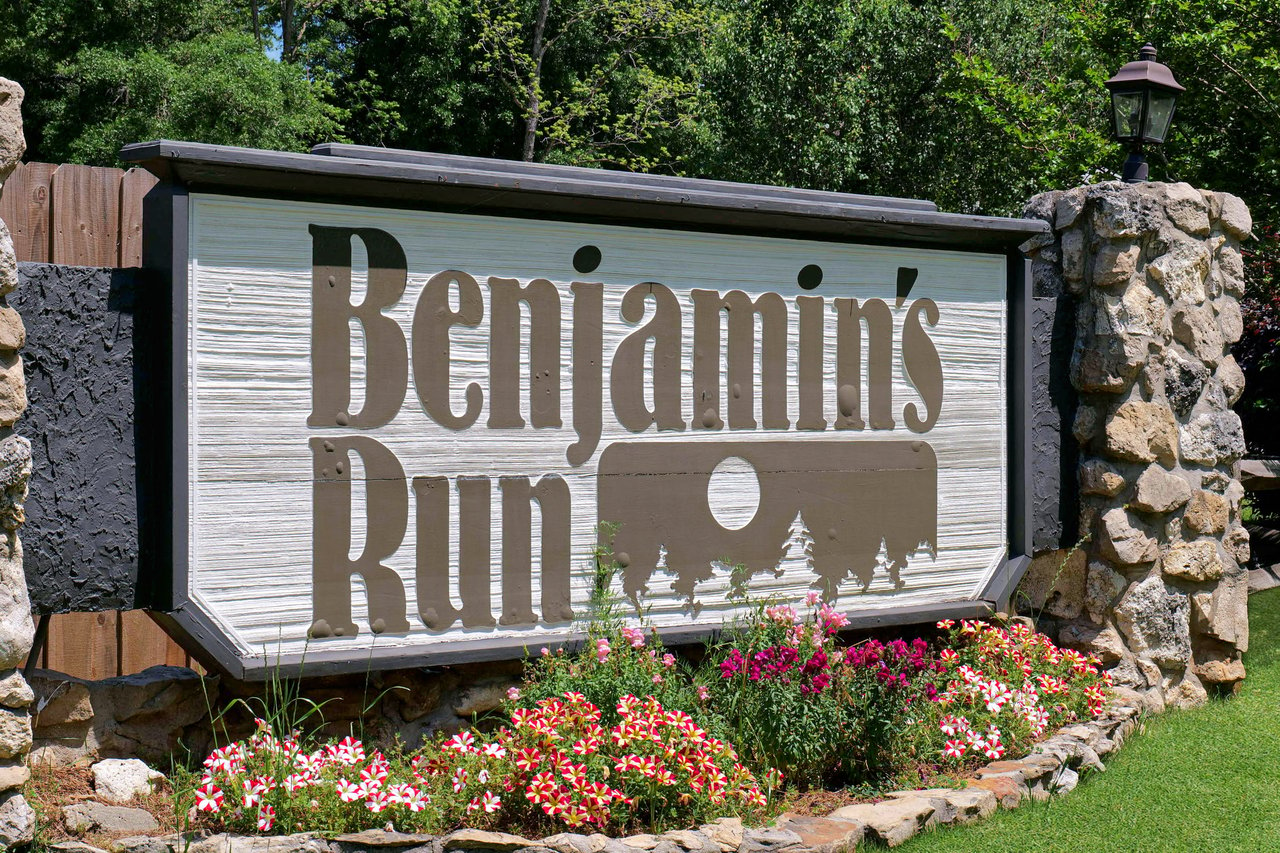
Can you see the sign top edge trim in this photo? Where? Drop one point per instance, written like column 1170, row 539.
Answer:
column 532, row 188
column 428, row 158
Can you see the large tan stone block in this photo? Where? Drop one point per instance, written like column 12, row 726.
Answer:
column 1142, row 432
column 12, row 142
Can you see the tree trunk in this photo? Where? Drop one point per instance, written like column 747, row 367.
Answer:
column 287, row 46
column 257, row 25
column 535, row 101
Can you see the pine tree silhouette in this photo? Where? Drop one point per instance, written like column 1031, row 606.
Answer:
column 797, row 555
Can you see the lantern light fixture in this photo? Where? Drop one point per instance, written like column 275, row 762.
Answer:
column 1143, row 97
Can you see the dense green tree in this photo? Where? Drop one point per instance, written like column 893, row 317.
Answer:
column 406, row 73
column 102, row 74
column 598, row 82
column 956, row 101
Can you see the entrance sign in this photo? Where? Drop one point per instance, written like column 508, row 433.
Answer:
column 410, row 432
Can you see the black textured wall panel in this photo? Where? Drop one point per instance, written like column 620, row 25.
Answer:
column 1054, row 484
column 81, row 535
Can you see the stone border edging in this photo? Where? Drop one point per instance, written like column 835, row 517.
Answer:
column 1052, row 767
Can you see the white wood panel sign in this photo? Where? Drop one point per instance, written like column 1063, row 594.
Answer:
column 407, row 429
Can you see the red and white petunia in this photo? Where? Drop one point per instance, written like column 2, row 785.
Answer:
column 348, row 751
column 955, row 749
column 376, row 801
column 266, row 818
column 400, row 794
column 576, row 817
column 459, row 779
column 260, row 784
column 208, row 798
column 348, row 791
column 575, row 775
column 461, row 742
column 494, row 750
column 373, row 776
column 528, row 759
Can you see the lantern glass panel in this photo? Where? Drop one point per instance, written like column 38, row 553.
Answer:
column 1127, row 115
column 1160, row 115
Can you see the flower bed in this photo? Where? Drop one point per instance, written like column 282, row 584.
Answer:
column 624, row 738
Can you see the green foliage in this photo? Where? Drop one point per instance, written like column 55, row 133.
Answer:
column 98, row 77
column 613, row 664
column 238, row 97
column 974, row 105
column 595, row 82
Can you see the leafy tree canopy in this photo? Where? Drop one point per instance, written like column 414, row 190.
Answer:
column 975, row 105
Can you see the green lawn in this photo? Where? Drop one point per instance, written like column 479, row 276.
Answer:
column 1202, row 780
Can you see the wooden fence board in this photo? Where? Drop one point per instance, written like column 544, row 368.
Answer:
column 136, row 184
column 24, row 207
column 143, row 643
column 84, row 645
column 86, row 216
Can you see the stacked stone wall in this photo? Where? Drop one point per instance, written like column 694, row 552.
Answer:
column 1156, row 588
column 17, row 820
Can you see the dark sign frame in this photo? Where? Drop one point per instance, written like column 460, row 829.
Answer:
column 411, row 180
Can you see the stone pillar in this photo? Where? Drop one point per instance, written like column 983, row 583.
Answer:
column 17, row 820
column 1156, row 273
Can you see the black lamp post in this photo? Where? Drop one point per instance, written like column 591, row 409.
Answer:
column 1143, row 96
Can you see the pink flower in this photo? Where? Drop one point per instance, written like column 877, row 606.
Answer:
column 513, row 693
column 634, row 636
column 602, row 650
column 703, row 693
column 657, row 679
column 545, row 651
column 668, row 660
column 813, row 597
